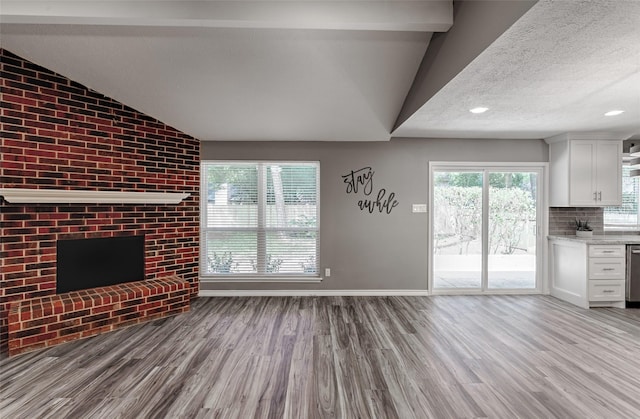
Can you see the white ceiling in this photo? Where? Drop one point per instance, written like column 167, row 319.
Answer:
column 339, row 70
column 558, row 69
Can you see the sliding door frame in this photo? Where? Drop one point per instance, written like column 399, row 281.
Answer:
column 542, row 211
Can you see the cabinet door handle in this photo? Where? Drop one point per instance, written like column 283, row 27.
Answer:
column 607, row 251
column 608, row 269
column 595, row 196
column 607, row 291
column 600, row 196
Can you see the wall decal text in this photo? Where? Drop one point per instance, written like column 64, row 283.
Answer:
column 362, row 180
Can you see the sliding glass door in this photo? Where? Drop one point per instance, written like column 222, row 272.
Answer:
column 513, row 225
column 457, row 229
column 485, row 224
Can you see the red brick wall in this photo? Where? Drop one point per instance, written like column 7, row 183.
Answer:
column 57, row 134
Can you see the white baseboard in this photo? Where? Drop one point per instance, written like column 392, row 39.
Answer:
column 311, row 293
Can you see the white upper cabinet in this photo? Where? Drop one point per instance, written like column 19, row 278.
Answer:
column 584, row 172
column 608, row 179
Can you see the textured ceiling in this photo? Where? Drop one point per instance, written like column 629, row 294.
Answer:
column 340, row 70
column 558, row 69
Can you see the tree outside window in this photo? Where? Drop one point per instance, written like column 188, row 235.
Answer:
column 261, row 218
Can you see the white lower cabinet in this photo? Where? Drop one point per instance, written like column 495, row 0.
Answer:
column 606, row 268
column 606, row 290
column 606, row 275
column 587, row 275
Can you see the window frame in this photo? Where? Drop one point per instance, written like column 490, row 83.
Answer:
column 260, row 229
column 542, row 222
column 626, row 164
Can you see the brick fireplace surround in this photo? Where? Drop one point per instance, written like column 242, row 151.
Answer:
column 57, row 134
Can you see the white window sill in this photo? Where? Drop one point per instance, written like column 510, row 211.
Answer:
column 264, row 279
column 621, row 228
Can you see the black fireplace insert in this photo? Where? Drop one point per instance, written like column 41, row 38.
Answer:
column 99, row 262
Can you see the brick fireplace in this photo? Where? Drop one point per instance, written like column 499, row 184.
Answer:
column 57, row 134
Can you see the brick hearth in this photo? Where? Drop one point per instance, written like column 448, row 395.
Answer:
column 57, row 134
column 48, row 321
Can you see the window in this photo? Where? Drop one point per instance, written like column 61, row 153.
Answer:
column 626, row 216
column 260, row 219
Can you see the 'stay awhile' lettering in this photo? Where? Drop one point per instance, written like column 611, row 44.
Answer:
column 381, row 203
column 363, row 178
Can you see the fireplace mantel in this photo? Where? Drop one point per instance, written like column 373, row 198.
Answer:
column 63, row 196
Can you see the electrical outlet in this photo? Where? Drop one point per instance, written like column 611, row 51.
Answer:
column 327, row 271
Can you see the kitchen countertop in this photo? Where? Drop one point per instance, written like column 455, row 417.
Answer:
column 601, row 239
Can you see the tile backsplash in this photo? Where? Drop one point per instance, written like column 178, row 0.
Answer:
column 562, row 221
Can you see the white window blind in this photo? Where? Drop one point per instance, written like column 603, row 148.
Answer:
column 260, row 218
column 626, row 216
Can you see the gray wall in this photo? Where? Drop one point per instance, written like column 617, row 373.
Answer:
column 450, row 52
column 372, row 251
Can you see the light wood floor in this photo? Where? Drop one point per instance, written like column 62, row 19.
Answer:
column 344, row 357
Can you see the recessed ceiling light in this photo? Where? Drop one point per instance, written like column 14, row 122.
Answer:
column 478, row 110
column 613, row 113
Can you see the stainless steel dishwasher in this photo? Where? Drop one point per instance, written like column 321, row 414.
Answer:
column 633, row 276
